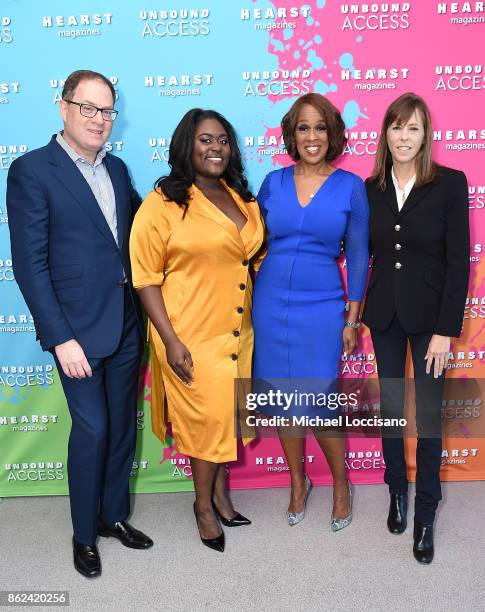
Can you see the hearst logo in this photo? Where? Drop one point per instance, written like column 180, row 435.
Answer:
column 139, row 464
column 8, row 89
column 265, row 145
column 28, row 422
column 276, row 17
column 278, row 463
column 373, row 79
column 476, row 251
column 175, row 85
column 458, row 456
column 16, row 322
column 462, row 13
column 461, row 139
column 77, row 26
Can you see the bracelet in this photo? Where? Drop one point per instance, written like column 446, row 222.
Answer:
column 352, row 324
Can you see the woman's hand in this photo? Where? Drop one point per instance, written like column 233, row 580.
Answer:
column 180, row 360
column 349, row 340
column 439, row 350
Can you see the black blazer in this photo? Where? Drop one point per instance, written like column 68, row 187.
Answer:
column 421, row 256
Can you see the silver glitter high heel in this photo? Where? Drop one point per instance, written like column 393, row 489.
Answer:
column 296, row 517
column 340, row 523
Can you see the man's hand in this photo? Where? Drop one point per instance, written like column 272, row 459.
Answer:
column 73, row 360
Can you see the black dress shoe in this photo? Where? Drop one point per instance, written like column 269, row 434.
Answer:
column 214, row 543
column 423, row 548
column 398, row 509
column 86, row 559
column 126, row 534
column 236, row 521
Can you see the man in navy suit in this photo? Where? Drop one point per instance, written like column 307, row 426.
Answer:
column 70, row 206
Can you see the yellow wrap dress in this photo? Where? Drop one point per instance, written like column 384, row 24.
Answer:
column 202, row 264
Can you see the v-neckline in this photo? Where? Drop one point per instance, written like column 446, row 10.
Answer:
column 305, row 206
column 226, row 217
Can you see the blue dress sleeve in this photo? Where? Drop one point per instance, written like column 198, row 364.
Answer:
column 263, row 195
column 357, row 241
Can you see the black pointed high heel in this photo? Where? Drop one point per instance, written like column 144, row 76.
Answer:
column 236, row 521
column 214, row 543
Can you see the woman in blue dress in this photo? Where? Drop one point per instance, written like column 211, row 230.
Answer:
column 298, row 305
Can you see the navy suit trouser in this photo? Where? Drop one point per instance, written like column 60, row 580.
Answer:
column 103, row 434
column 390, row 347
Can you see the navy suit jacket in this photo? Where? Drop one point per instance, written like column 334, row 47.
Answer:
column 65, row 259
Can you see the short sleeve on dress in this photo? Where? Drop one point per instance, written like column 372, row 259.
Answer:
column 357, row 241
column 262, row 197
column 263, row 194
column 148, row 242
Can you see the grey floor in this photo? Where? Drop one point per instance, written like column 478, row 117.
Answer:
column 267, row 566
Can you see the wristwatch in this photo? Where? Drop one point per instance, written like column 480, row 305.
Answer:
column 352, row 324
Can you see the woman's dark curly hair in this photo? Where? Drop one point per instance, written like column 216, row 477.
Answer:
column 175, row 186
column 332, row 118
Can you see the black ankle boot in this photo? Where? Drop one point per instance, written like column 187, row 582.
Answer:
column 423, row 548
column 398, row 509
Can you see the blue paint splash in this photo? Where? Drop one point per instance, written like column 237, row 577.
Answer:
column 277, row 44
column 352, row 113
column 287, row 33
column 322, row 88
column 346, row 60
column 314, row 60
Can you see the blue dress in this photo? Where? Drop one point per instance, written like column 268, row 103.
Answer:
column 298, row 302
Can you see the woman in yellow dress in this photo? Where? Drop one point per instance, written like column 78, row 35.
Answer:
column 191, row 245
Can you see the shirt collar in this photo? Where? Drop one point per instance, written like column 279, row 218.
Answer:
column 407, row 187
column 75, row 156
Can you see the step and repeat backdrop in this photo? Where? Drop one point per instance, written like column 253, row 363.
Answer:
column 249, row 60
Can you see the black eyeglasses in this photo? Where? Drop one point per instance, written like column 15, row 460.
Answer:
column 89, row 110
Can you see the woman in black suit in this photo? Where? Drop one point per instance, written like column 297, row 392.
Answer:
column 420, row 241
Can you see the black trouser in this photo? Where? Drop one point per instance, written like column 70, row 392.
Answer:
column 390, row 348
